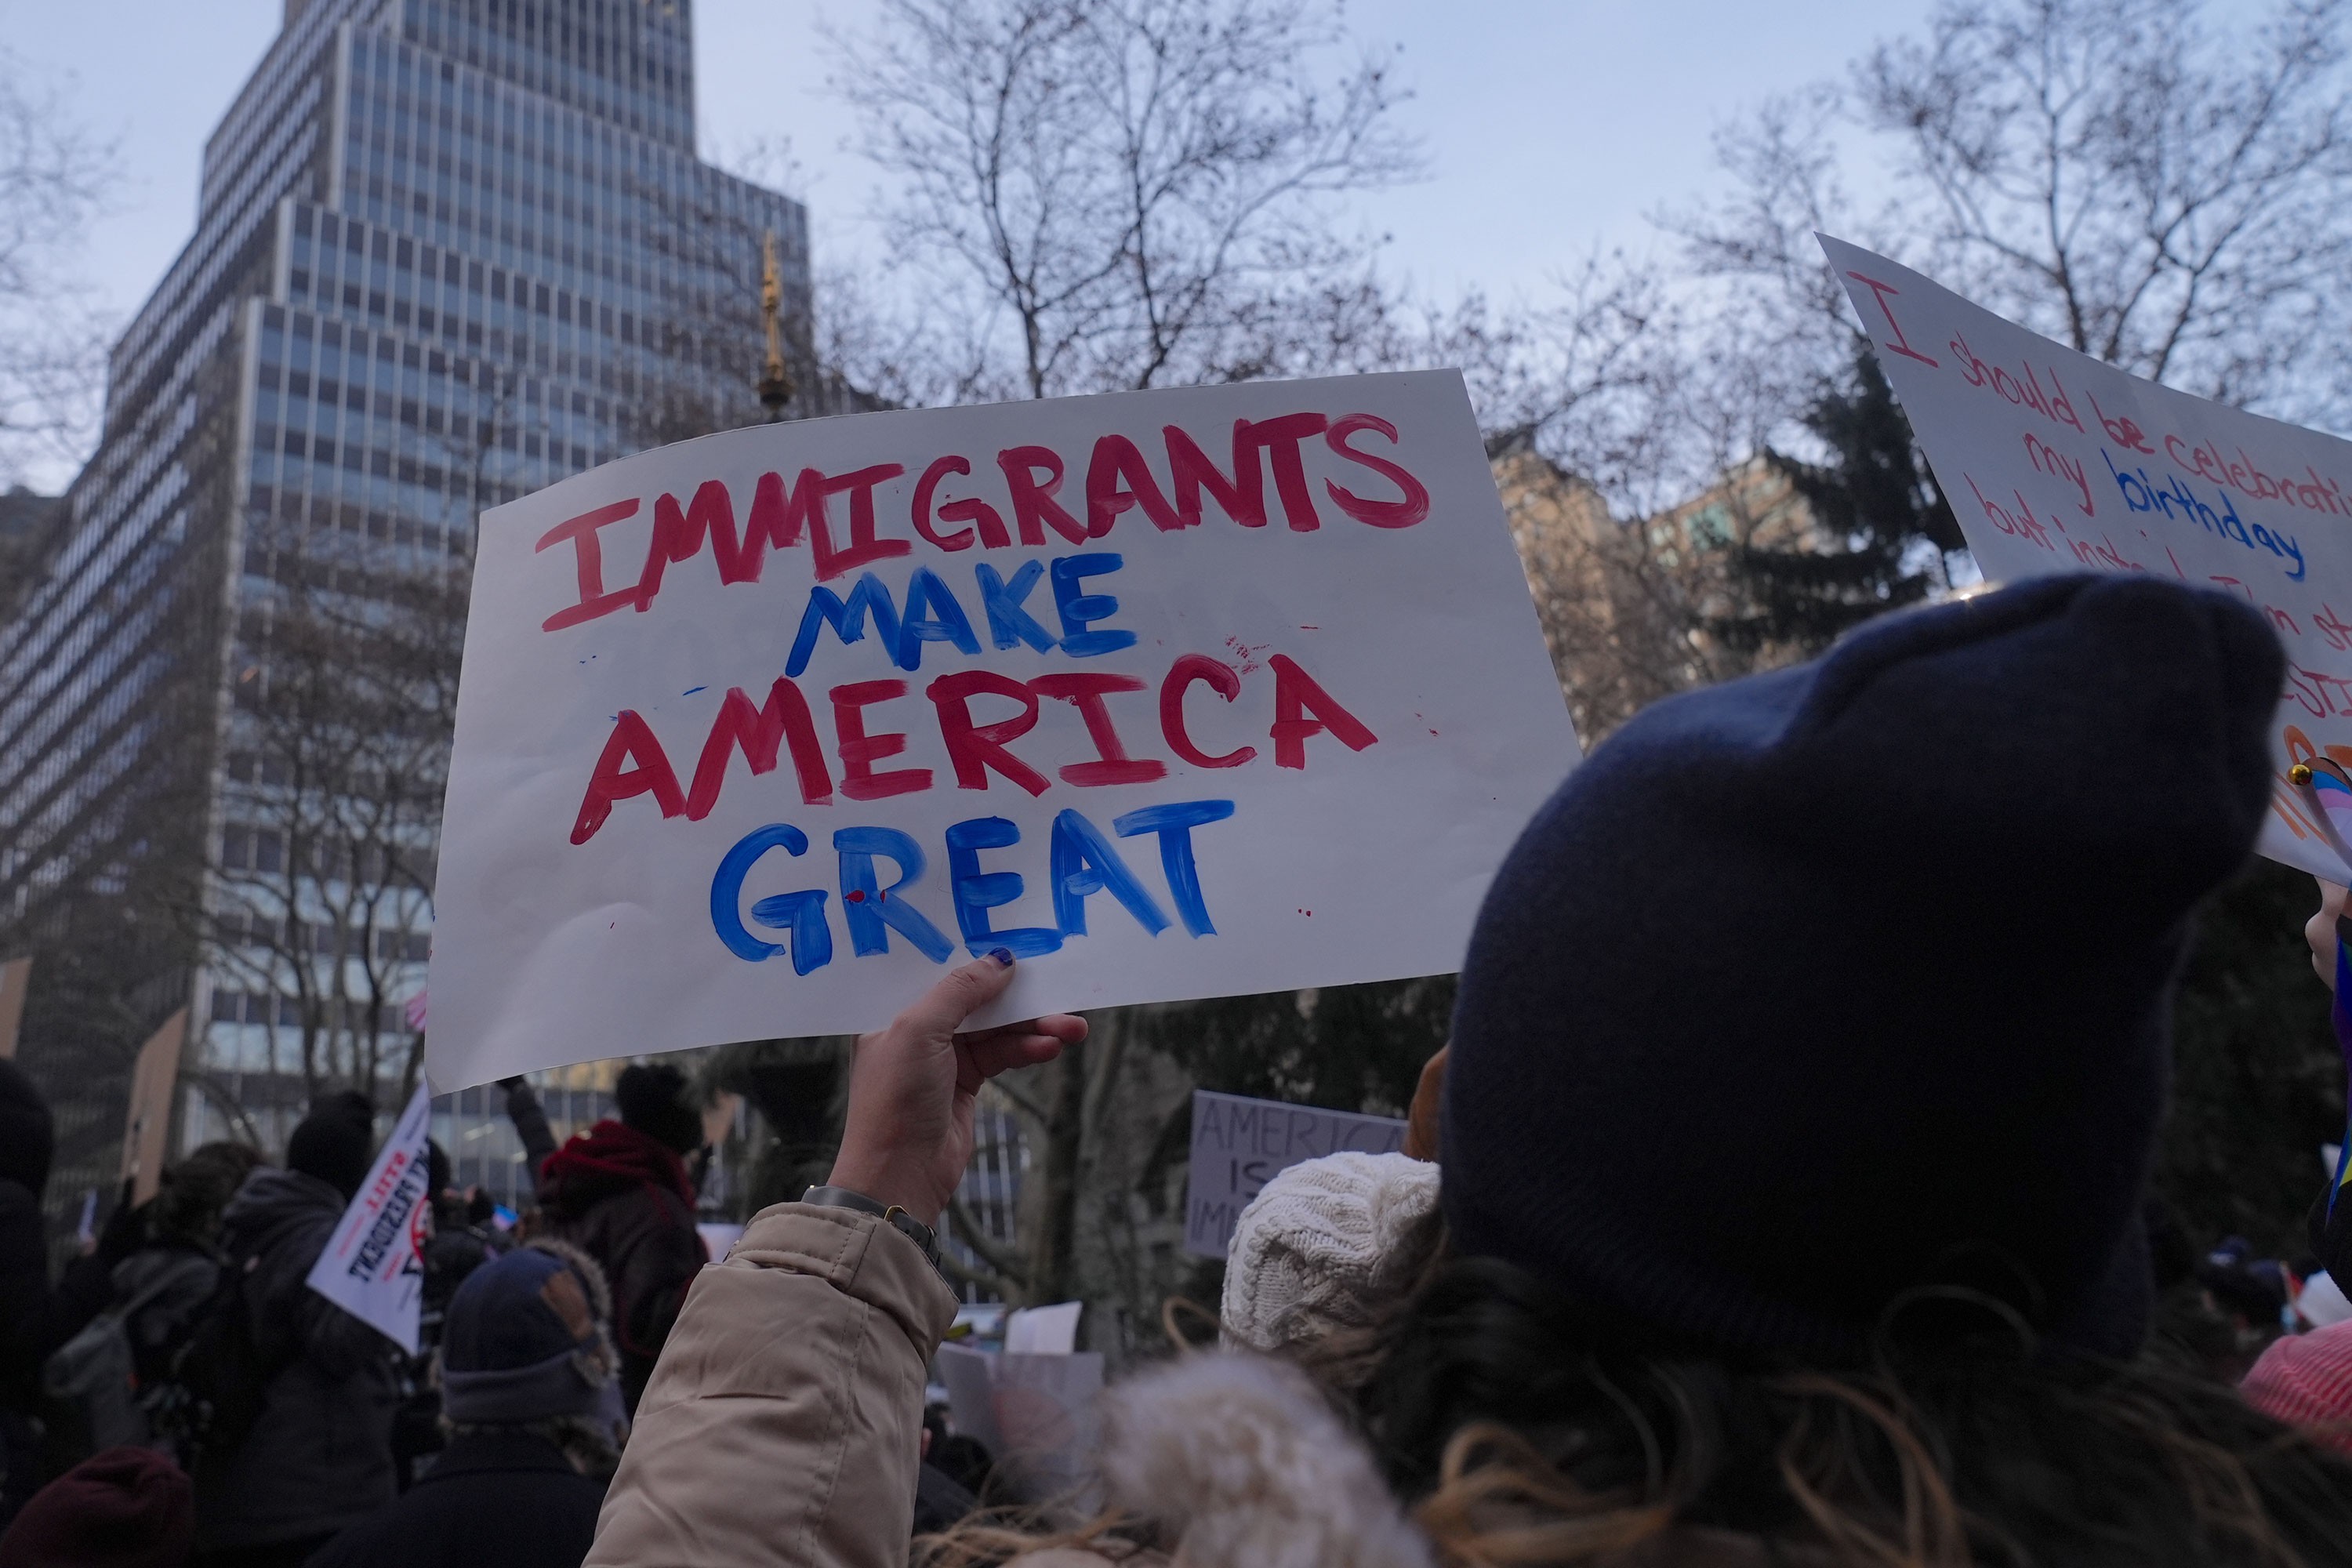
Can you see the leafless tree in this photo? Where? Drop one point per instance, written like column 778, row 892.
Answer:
column 2171, row 198
column 53, row 177
column 343, row 694
column 1103, row 196
column 1106, row 195
column 338, row 756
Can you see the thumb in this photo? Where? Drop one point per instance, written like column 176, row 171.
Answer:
column 961, row 992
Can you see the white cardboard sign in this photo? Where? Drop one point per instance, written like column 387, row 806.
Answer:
column 2055, row 462
column 1173, row 694
column 374, row 1265
column 1239, row 1145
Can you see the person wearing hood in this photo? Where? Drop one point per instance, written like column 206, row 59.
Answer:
column 318, row 1456
column 620, row 1192
column 36, row 1317
column 533, row 1408
column 1818, row 1243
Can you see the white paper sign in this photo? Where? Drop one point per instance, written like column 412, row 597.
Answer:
column 1043, row 1331
column 1039, row 1416
column 2054, row 462
column 1239, row 1145
column 1173, row 694
column 374, row 1265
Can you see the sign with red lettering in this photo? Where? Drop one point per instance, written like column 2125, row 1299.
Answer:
column 2054, row 462
column 374, row 1265
column 1171, row 694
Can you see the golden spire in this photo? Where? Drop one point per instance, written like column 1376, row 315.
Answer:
column 775, row 382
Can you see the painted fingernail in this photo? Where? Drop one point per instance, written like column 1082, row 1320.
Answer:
column 1003, row 956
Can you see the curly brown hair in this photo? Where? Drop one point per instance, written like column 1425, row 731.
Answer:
column 1526, row 1429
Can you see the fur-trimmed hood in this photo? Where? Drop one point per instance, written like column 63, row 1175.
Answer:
column 1239, row 1457
column 1241, row 1463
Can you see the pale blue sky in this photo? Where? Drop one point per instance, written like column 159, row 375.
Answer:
column 1550, row 125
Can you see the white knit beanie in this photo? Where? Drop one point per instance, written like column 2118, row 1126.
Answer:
column 1328, row 1243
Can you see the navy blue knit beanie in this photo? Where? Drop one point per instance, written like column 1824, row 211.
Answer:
column 524, row 1340
column 1814, row 988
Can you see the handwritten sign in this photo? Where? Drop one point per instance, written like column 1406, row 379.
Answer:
column 2054, row 462
column 374, row 1267
column 1239, row 1145
column 1173, row 694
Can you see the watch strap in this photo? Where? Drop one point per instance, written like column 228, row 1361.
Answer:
column 897, row 1218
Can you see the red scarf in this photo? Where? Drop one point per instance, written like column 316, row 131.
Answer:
column 613, row 1149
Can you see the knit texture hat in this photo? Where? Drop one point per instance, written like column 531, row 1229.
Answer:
column 524, row 1339
column 123, row 1508
column 2305, row 1380
column 336, row 1143
column 1327, row 1244
column 653, row 1099
column 1814, row 988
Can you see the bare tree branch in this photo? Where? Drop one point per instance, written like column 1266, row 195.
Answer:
column 53, row 179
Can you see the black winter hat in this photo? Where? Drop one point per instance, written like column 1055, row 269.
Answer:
column 652, row 1098
column 336, row 1143
column 1815, row 987
column 27, row 1138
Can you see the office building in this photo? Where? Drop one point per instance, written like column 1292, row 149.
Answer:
column 446, row 253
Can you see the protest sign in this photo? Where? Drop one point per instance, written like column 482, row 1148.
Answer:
column 1039, row 1416
column 374, row 1265
column 1043, row 1331
column 16, row 979
column 1171, row 694
column 147, row 1125
column 2054, row 462
column 1239, row 1145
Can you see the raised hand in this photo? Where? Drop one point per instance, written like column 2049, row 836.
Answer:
column 912, row 1087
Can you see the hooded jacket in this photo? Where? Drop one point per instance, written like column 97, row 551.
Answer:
column 622, row 1196
column 320, row 1455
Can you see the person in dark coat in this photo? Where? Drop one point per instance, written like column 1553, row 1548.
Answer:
column 178, row 1255
column 318, row 1456
column 35, row 1317
column 619, row 1192
column 534, row 1416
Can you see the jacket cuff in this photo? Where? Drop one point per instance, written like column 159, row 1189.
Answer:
column 856, row 1254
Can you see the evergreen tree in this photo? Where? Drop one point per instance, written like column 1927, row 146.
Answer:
column 1873, row 495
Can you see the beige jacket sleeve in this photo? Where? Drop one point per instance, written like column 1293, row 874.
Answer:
column 783, row 1422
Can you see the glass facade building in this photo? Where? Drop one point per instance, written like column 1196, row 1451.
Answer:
column 447, row 252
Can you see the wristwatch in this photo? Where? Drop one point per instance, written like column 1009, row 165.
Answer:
column 891, row 1215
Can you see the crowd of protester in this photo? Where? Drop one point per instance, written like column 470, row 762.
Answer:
column 179, row 1395
column 1782, row 1198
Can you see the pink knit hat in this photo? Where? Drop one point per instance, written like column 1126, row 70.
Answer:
column 2305, row 1380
